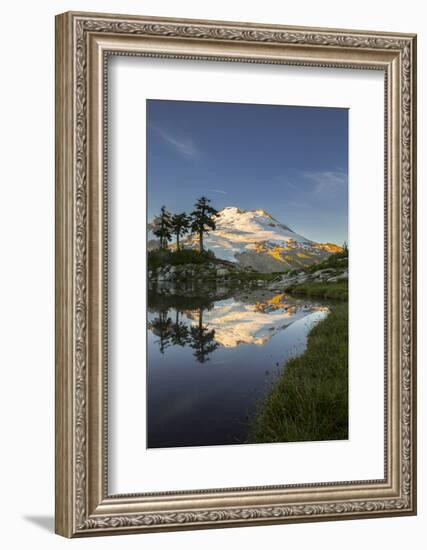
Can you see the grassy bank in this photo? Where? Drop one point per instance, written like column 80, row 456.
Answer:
column 309, row 402
column 327, row 291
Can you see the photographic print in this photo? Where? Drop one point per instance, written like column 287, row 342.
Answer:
column 247, row 273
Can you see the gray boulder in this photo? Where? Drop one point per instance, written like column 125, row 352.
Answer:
column 222, row 272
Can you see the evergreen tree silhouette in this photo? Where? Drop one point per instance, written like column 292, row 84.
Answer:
column 180, row 333
column 163, row 227
column 162, row 327
column 202, row 340
column 203, row 219
column 180, row 224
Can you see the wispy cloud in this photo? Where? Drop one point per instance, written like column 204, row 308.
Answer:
column 291, row 185
column 284, row 180
column 183, row 145
column 327, row 181
column 221, row 191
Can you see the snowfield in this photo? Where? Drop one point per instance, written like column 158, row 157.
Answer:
column 238, row 231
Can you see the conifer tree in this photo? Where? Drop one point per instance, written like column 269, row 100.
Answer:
column 203, row 219
column 163, row 226
column 180, row 225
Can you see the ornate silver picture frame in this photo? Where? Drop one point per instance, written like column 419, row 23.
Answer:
column 84, row 505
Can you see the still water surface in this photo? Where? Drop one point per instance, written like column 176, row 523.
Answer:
column 210, row 362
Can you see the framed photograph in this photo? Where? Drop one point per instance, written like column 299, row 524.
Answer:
column 235, row 274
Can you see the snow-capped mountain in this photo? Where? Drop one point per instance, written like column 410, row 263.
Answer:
column 253, row 238
column 238, row 231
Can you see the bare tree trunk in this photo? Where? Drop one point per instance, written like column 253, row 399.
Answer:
column 177, row 242
column 201, row 241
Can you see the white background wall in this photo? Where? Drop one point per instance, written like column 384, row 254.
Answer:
column 27, row 273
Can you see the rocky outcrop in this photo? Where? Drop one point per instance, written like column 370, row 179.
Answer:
column 292, row 278
column 186, row 272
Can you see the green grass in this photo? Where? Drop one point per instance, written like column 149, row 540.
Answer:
column 327, row 291
column 334, row 261
column 162, row 257
column 309, row 401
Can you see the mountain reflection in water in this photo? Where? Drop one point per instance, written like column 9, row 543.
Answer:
column 245, row 339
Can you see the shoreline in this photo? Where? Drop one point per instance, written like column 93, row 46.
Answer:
column 309, row 400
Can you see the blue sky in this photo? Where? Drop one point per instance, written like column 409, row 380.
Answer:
column 290, row 161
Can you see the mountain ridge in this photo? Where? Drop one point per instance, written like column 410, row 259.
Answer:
column 255, row 239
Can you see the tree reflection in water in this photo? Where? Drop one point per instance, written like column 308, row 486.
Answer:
column 202, row 340
column 179, row 336
column 248, row 319
column 162, row 327
column 198, row 337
